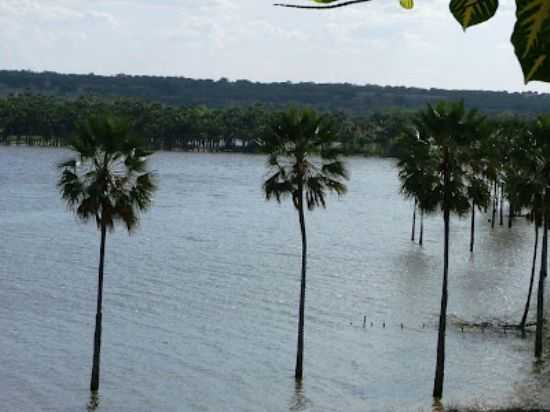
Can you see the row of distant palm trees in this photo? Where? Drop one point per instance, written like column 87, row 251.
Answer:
column 442, row 166
column 451, row 159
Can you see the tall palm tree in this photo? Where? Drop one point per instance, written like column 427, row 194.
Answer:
column 479, row 195
column 540, row 170
column 523, row 188
column 523, row 322
column 491, row 147
column 304, row 164
column 107, row 181
column 417, row 172
column 447, row 128
column 476, row 165
column 421, row 235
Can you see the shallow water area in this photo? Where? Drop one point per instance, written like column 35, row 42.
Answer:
column 200, row 304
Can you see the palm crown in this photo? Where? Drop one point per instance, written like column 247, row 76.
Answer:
column 417, row 169
column 303, row 158
column 108, row 179
column 446, row 130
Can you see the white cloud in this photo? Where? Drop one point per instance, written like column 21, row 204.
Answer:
column 374, row 43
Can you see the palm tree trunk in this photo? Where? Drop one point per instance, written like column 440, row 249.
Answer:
column 299, row 372
column 494, row 216
column 94, row 383
column 440, row 362
column 501, row 205
column 531, row 282
column 414, row 221
column 473, row 227
column 421, row 238
column 540, row 292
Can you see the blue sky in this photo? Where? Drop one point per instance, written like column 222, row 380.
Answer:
column 376, row 43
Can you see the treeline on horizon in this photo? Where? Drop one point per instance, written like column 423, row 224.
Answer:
column 53, row 121
column 345, row 97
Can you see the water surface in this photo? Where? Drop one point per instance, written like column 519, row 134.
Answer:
column 200, row 304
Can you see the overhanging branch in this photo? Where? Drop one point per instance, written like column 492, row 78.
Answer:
column 328, row 6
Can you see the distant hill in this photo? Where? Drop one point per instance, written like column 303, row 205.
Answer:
column 181, row 91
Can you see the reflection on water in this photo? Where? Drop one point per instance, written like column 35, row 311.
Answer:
column 438, row 406
column 299, row 401
column 200, row 305
column 93, row 403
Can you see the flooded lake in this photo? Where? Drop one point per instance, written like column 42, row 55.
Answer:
column 200, row 304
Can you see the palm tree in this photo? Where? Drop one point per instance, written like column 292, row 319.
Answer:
column 528, row 182
column 447, row 128
column 417, row 172
column 523, row 323
column 540, row 170
column 524, row 190
column 479, row 195
column 107, row 181
column 304, row 164
column 476, row 165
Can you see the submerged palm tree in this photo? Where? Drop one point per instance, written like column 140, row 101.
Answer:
column 539, row 143
column 108, row 182
column 446, row 130
column 304, row 164
column 476, row 165
column 480, row 196
column 524, row 190
column 417, row 172
column 537, row 221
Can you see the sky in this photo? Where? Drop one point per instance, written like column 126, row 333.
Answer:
column 372, row 43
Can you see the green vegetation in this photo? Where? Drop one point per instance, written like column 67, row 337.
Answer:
column 49, row 121
column 304, row 164
column 107, row 181
column 181, row 91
